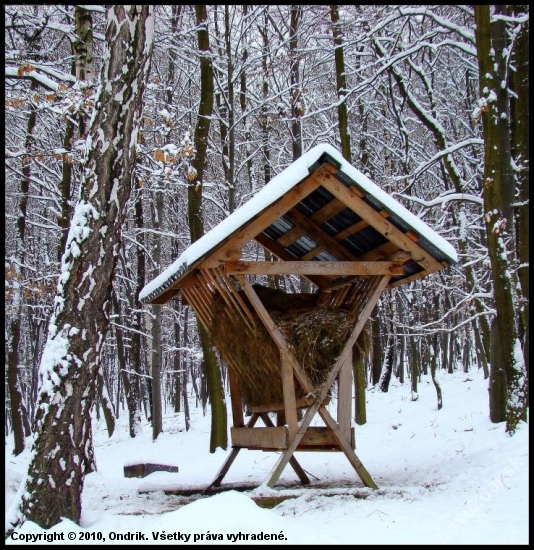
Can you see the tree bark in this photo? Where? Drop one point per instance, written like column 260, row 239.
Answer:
column 520, row 150
column 17, row 408
column 499, row 197
column 71, row 359
column 219, row 436
column 341, row 84
column 156, row 355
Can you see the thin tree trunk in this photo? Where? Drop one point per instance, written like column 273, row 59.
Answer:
column 156, row 355
column 341, row 84
column 185, row 371
column 219, row 436
column 243, row 101
column 18, row 410
column 434, row 370
column 387, row 370
column 415, row 361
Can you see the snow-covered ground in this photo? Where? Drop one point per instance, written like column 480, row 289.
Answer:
column 445, row 477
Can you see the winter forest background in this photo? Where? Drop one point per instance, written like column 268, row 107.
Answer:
column 431, row 102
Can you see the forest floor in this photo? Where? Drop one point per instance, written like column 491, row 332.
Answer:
column 444, row 477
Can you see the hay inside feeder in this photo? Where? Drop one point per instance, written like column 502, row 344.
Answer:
column 316, row 335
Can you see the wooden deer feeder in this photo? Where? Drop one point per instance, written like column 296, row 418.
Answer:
column 323, row 220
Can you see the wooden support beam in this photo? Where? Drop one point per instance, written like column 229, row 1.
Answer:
column 325, row 268
column 317, row 406
column 236, row 400
column 263, row 220
column 377, row 289
column 260, row 438
column 318, row 235
column 344, row 397
column 288, row 386
column 231, row 457
column 293, row 462
column 302, row 403
column 280, row 252
column 350, row 197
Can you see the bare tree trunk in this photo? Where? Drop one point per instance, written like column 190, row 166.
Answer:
column 243, row 100
column 19, row 414
column 71, row 359
column 341, row 84
column 434, row 370
column 387, row 370
column 520, row 150
column 499, row 198
column 156, row 356
column 219, row 436
column 415, row 361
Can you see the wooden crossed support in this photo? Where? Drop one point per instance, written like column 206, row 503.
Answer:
column 290, row 368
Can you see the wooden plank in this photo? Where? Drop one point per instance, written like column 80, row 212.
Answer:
column 280, row 252
column 235, row 295
column 293, row 462
column 344, row 396
column 236, row 400
column 354, row 228
column 317, row 406
column 198, row 309
column 291, row 236
column 317, row 435
column 231, row 457
column 260, row 438
column 312, row 253
column 319, row 236
column 301, row 403
column 325, row 268
column 382, row 225
column 329, row 210
column 262, row 221
column 288, row 387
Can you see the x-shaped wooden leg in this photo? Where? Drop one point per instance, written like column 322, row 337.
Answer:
column 231, row 457
column 303, row 379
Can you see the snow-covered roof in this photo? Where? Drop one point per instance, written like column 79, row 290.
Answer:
column 399, row 219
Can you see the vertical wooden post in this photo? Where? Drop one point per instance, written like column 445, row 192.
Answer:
column 288, row 385
column 344, row 396
column 235, row 397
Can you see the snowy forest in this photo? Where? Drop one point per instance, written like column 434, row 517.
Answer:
column 131, row 131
